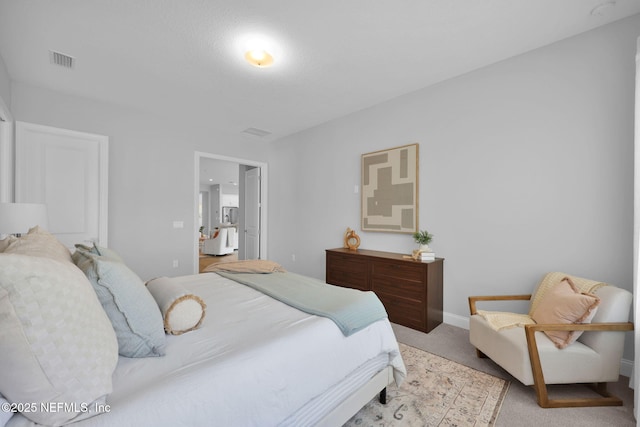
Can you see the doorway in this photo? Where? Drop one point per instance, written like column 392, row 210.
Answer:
column 222, row 180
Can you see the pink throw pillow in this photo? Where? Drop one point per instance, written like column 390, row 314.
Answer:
column 563, row 303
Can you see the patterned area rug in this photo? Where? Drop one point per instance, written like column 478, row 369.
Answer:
column 436, row 392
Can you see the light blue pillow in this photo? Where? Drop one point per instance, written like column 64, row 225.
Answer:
column 99, row 250
column 134, row 314
column 5, row 414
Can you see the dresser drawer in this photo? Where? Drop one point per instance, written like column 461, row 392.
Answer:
column 404, row 288
column 347, row 271
column 347, row 263
column 401, row 270
column 348, row 279
column 404, row 312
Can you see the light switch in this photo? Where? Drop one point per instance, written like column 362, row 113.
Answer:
column 178, row 224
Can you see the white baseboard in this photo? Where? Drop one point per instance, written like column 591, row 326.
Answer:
column 455, row 320
column 626, row 366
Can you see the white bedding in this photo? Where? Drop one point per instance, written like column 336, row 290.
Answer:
column 254, row 362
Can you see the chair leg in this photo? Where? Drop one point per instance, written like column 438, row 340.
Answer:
column 541, row 388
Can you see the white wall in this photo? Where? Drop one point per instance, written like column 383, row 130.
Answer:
column 6, row 136
column 5, row 84
column 151, row 172
column 205, row 192
column 526, row 166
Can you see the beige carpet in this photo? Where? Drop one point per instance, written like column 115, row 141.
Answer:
column 520, row 407
column 436, row 392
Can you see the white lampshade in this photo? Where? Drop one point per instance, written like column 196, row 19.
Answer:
column 18, row 218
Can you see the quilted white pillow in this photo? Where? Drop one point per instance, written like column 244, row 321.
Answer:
column 56, row 342
column 4, row 243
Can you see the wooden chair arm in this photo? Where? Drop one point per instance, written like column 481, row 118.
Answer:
column 474, row 299
column 536, row 366
column 626, row 326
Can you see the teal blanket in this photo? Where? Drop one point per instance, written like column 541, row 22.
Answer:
column 350, row 309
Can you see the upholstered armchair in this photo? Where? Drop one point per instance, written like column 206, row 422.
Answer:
column 222, row 242
column 573, row 333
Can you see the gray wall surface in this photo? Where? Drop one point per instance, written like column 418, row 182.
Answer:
column 5, row 84
column 526, row 166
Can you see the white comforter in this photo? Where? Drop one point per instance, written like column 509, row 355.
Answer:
column 254, row 362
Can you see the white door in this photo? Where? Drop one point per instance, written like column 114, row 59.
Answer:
column 6, row 160
column 67, row 171
column 252, row 213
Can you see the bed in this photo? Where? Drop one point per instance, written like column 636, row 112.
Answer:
column 253, row 361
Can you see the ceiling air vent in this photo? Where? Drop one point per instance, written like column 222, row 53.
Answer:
column 256, row 132
column 61, row 59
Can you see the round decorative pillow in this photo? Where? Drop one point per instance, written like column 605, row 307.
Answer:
column 182, row 311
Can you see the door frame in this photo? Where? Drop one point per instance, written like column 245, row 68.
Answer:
column 243, row 214
column 263, row 200
column 6, row 153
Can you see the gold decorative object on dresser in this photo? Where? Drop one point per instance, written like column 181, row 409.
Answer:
column 410, row 290
column 351, row 239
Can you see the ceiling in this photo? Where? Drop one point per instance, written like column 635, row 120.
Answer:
column 184, row 60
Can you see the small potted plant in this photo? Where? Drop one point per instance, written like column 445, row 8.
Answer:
column 423, row 238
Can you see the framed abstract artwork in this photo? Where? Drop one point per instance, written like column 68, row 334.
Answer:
column 389, row 190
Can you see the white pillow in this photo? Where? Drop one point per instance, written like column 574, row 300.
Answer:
column 5, row 411
column 4, row 243
column 182, row 311
column 39, row 242
column 56, row 342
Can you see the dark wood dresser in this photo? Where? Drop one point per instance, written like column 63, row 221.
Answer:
column 411, row 291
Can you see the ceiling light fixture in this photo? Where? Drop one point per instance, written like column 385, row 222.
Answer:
column 258, row 49
column 259, row 58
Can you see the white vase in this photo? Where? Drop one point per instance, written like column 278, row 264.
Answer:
column 424, row 248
